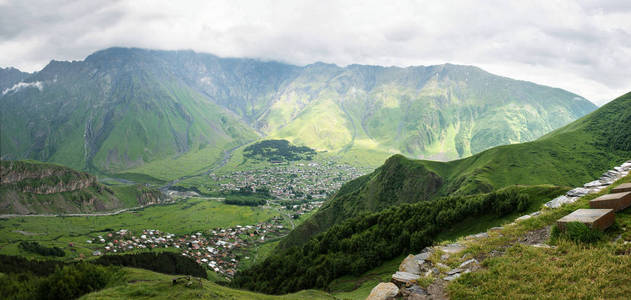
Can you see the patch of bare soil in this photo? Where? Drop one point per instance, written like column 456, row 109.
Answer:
column 539, row 236
column 436, row 290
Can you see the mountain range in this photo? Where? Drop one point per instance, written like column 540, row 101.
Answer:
column 149, row 111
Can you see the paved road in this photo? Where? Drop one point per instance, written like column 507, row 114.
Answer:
column 74, row 215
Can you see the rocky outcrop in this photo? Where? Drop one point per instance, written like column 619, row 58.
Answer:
column 42, row 179
column 148, row 196
column 591, row 187
column 59, row 187
column 41, row 188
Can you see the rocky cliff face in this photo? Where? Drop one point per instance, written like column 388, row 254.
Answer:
column 43, row 179
column 149, row 196
column 29, row 187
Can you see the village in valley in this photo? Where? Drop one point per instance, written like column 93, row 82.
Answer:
column 219, row 249
column 295, row 180
column 293, row 188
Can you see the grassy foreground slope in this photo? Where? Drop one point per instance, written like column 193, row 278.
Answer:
column 569, row 156
column 571, row 270
column 28, row 187
column 143, row 284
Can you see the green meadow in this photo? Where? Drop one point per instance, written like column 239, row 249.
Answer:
column 183, row 217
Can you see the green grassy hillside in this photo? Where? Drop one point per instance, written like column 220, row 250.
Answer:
column 572, row 270
column 117, row 110
column 370, row 220
column 438, row 112
column 569, row 156
column 142, row 284
column 361, row 243
column 31, row 187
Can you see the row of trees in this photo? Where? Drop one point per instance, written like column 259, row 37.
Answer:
column 361, row 243
column 162, row 262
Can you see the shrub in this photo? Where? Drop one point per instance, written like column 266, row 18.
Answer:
column 577, row 232
column 66, row 282
column 72, row 281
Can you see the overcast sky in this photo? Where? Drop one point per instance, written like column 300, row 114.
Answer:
column 580, row 46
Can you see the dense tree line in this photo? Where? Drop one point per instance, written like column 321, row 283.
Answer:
column 163, row 262
column 361, row 243
column 35, row 247
column 247, row 196
column 278, row 150
column 50, row 279
column 245, row 201
column 10, row 264
column 68, row 281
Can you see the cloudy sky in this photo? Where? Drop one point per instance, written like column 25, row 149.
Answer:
column 581, row 46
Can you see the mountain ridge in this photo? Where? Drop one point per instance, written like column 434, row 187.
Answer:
column 178, row 106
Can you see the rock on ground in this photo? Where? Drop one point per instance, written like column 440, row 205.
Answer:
column 383, row 291
column 405, row 278
column 410, row 265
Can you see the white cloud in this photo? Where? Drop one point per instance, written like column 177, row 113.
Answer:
column 581, row 46
column 22, row 85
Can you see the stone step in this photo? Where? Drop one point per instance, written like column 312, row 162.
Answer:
column 617, row 201
column 625, row 187
column 594, row 218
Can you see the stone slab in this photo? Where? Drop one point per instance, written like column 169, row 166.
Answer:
column 405, row 278
column 561, row 200
column 616, row 201
column 594, row 218
column 625, row 187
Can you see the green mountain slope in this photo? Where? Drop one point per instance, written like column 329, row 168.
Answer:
column 438, row 112
column 173, row 113
column 568, row 156
column 113, row 111
column 30, row 187
column 405, row 204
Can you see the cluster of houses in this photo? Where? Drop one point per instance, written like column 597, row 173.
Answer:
column 303, row 208
column 295, row 180
column 219, row 249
